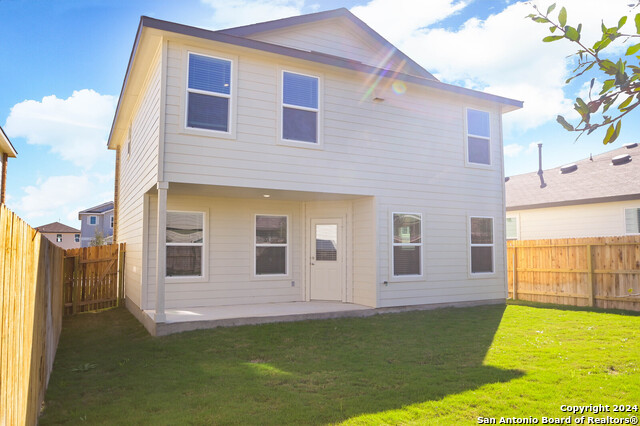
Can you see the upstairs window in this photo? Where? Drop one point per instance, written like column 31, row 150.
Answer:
column 76, row 238
column 299, row 107
column 407, row 244
column 59, row 238
column 208, row 93
column 632, row 221
column 478, row 137
column 93, row 220
column 111, row 221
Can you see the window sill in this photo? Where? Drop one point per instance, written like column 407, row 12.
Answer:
column 185, row 279
column 194, row 131
column 406, row 279
column 300, row 144
column 271, row 277
column 479, row 166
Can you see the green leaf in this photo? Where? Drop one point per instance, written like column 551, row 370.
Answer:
column 622, row 21
column 633, row 49
column 560, row 119
column 571, row 33
column 608, row 84
column 550, row 9
column 579, row 28
column 609, row 134
column 637, row 19
column 552, row 29
column 562, row 17
column 548, row 39
column 541, row 20
column 626, row 103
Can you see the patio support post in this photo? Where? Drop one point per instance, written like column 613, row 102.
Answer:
column 161, row 253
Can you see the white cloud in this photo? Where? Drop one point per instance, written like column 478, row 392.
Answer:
column 533, row 147
column 502, row 54
column 75, row 128
column 56, row 193
column 512, row 150
column 233, row 13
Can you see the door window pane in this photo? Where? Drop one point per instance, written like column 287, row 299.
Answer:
column 327, row 242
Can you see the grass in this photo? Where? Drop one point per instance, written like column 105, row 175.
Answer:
column 447, row 366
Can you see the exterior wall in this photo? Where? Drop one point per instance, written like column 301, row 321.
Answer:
column 407, row 151
column 365, row 277
column 229, row 254
column 103, row 224
column 587, row 220
column 68, row 239
column 338, row 37
column 139, row 174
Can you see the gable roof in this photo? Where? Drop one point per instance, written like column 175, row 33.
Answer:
column 100, row 208
column 58, row 228
column 150, row 32
column 596, row 180
column 253, row 29
column 6, row 146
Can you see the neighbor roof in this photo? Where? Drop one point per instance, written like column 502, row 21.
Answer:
column 5, row 145
column 58, row 228
column 596, row 180
column 230, row 36
column 101, row 208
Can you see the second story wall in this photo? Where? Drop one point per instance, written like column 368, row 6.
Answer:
column 410, row 143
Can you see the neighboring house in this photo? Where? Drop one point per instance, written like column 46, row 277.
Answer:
column 594, row 197
column 61, row 235
column 6, row 150
column 96, row 219
column 303, row 159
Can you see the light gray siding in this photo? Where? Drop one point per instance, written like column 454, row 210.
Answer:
column 407, row 151
column 139, row 174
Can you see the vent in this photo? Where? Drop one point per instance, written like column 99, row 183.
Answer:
column 620, row 159
column 507, row 179
column 568, row 168
column 630, row 145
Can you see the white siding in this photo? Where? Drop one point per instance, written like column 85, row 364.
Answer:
column 229, row 251
column 587, row 220
column 407, row 152
column 138, row 174
column 338, row 37
column 364, row 252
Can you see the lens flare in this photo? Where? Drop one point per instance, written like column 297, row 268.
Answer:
column 399, row 87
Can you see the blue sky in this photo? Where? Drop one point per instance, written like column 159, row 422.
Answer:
column 64, row 63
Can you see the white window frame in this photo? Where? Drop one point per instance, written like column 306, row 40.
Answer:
column 467, row 135
column 291, row 142
column 517, row 219
column 93, row 217
column 392, row 275
column 203, row 255
column 58, row 238
column 256, row 245
column 624, row 220
column 231, row 124
column 493, row 246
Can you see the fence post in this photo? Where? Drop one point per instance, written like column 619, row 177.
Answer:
column 515, row 273
column 75, row 285
column 590, row 281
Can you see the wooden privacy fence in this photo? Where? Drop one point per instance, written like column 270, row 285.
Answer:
column 91, row 278
column 30, row 317
column 601, row 272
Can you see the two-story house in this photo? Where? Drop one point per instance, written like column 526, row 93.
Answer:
column 97, row 220
column 62, row 235
column 298, row 160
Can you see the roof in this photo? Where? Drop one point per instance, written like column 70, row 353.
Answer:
column 6, row 146
column 57, row 228
column 596, row 180
column 100, row 208
column 149, row 27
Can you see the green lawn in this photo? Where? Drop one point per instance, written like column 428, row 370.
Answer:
column 446, row 366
